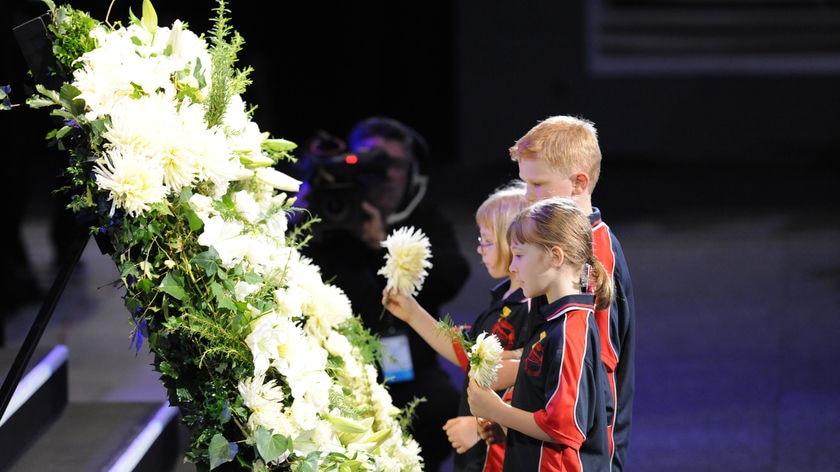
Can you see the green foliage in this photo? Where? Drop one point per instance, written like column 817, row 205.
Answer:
column 69, row 34
column 226, row 80
column 407, row 414
column 448, row 327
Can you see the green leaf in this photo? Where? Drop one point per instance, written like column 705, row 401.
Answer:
column 193, row 220
column 207, row 261
column 68, row 92
column 173, row 285
column 143, row 285
column 221, row 451
column 310, row 464
column 221, row 296
column 271, row 446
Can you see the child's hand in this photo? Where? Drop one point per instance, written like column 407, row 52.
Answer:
column 401, row 306
column 490, row 431
column 483, row 401
column 461, row 432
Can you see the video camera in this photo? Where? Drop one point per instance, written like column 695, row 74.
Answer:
column 338, row 180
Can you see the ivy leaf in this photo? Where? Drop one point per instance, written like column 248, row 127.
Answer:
column 207, row 261
column 271, row 446
column 173, row 285
column 221, row 297
column 221, row 451
column 310, row 464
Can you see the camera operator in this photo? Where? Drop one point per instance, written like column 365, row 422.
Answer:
column 359, row 209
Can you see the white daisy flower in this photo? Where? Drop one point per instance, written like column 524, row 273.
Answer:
column 484, row 356
column 407, row 260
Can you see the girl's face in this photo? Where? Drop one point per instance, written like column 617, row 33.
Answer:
column 532, row 267
column 488, row 249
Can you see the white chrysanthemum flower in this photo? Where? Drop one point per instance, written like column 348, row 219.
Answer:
column 327, row 306
column 133, row 182
column 154, row 125
column 268, row 338
column 484, row 356
column 123, row 62
column 259, row 394
column 407, row 260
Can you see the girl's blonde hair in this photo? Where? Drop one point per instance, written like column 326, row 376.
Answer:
column 559, row 222
column 496, row 213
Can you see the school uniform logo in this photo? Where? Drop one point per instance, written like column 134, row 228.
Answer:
column 534, row 359
column 504, row 330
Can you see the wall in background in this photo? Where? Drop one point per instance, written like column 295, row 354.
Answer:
column 683, row 84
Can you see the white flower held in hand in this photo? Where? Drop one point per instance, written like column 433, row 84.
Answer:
column 485, row 355
column 406, row 261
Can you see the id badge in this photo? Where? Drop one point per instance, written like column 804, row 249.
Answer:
column 396, row 359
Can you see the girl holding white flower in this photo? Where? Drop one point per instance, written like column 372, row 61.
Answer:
column 557, row 419
column 505, row 318
column 352, row 257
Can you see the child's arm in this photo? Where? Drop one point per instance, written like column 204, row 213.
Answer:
column 486, row 404
column 406, row 308
column 508, row 367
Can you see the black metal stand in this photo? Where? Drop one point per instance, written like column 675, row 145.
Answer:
column 39, row 325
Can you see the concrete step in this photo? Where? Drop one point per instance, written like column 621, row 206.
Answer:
column 41, row 431
column 37, row 401
column 113, row 437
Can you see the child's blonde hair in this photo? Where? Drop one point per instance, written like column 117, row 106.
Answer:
column 559, row 222
column 496, row 213
column 567, row 144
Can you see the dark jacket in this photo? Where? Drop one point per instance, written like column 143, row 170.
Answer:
column 350, row 264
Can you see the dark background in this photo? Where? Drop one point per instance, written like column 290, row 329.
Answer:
column 720, row 129
column 696, row 89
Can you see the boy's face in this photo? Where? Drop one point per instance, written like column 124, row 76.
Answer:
column 543, row 182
